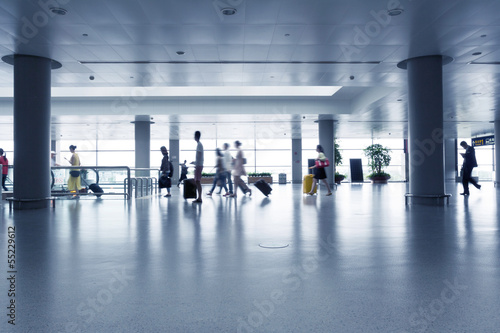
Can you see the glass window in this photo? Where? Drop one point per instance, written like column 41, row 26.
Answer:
column 116, row 158
column 116, row 145
column 274, row 144
column 273, row 158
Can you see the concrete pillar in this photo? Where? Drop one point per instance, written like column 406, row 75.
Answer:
column 32, row 82
column 326, row 139
column 296, row 161
column 497, row 153
column 143, row 145
column 425, row 116
column 450, row 159
column 173, row 152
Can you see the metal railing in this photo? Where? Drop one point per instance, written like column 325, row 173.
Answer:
column 127, row 189
column 142, row 185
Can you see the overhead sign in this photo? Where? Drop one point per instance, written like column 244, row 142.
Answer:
column 483, row 141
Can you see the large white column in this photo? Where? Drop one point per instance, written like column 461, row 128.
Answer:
column 32, row 84
column 296, row 161
column 450, row 165
column 174, row 158
column 497, row 153
column 425, row 117
column 326, row 139
column 143, row 145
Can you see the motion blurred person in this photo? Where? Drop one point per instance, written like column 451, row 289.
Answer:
column 198, row 165
column 320, row 173
column 74, row 181
column 220, row 175
column 5, row 168
column 238, row 171
column 228, row 165
column 167, row 170
column 467, row 166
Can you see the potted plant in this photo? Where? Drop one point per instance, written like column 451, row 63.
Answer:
column 338, row 161
column 207, row 178
column 379, row 157
column 255, row 176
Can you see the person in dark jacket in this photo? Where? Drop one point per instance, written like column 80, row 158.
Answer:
column 184, row 172
column 469, row 164
column 4, row 163
column 167, row 171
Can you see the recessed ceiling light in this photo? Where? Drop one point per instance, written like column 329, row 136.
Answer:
column 482, row 36
column 477, row 53
column 228, row 11
column 395, row 12
column 180, row 53
column 58, row 10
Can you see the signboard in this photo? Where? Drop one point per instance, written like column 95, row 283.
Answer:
column 356, row 170
column 483, row 141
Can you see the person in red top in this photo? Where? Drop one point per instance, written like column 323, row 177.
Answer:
column 5, row 168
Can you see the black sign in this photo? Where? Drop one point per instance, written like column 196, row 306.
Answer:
column 483, row 141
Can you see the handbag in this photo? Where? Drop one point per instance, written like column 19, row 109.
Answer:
column 322, row 164
column 164, row 182
column 74, row 173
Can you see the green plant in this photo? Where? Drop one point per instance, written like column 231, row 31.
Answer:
column 338, row 156
column 379, row 157
column 259, row 174
column 204, row 174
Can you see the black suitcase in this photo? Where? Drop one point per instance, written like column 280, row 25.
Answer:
column 96, row 189
column 263, row 187
column 189, row 189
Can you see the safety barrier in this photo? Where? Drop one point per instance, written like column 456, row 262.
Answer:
column 127, row 189
column 143, row 186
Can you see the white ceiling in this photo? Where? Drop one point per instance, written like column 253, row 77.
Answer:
column 133, row 43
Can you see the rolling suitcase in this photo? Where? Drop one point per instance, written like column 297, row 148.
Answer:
column 96, row 189
column 307, row 184
column 263, row 187
column 243, row 187
column 189, row 189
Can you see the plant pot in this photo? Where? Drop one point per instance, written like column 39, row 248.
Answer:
column 379, row 180
column 207, row 180
column 252, row 180
column 339, row 178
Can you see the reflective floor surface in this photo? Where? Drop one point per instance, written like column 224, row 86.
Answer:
column 357, row 261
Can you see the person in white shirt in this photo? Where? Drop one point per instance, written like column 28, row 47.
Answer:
column 228, row 165
column 198, row 165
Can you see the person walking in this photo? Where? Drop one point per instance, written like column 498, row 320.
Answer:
column 319, row 173
column 4, row 162
column 167, row 170
column 228, row 165
column 198, row 165
column 184, row 172
column 53, row 159
column 220, row 175
column 467, row 166
column 74, row 181
column 238, row 171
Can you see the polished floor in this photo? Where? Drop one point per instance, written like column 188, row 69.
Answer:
column 357, row 261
